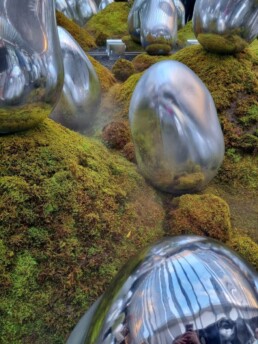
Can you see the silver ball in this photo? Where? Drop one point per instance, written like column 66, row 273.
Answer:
column 225, row 26
column 80, row 99
column 175, row 128
column 184, row 289
column 31, row 75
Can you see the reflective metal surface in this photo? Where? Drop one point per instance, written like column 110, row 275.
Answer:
column 181, row 290
column 158, row 25
column 104, row 3
column 177, row 136
column 80, row 11
column 31, row 69
column 225, row 26
column 180, row 14
column 134, row 20
column 80, row 98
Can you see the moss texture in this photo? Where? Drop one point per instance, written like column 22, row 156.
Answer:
column 85, row 40
column 205, row 215
column 70, row 214
column 106, row 78
column 246, row 248
column 123, row 69
column 116, row 134
column 184, row 34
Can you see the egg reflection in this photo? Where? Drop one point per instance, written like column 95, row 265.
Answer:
column 183, row 288
column 177, row 136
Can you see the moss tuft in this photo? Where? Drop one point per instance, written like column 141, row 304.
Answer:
column 246, row 248
column 106, row 78
column 123, row 69
column 205, row 215
column 70, row 213
column 116, row 134
column 184, row 34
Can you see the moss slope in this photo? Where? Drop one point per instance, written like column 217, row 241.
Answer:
column 70, row 214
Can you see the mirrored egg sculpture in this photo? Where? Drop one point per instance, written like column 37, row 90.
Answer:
column 134, row 20
column 225, row 26
column 80, row 11
column 80, row 99
column 158, row 26
column 180, row 14
column 104, row 3
column 178, row 140
column 31, row 68
column 186, row 289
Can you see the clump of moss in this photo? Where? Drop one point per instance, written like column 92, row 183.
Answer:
column 131, row 45
column 254, row 46
column 184, row 34
column 123, row 69
column 85, row 40
column 143, row 61
column 116, row 134
column 101, row 39
column 112, row 21
column 206, row 215
column 129, row 152
column 158, row 49
column 70, row 213
column 246, row 248
column 106, row 78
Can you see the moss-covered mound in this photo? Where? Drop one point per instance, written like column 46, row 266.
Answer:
column 205, row 215
column 85, row 40
column 112, row 21
column 71, row 213
column 123, row 69
column 184, row 34
column 106, row 78
column 116, row 134
column 246, row 248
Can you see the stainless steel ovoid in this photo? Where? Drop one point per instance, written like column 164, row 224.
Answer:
column 31, row 68
column 115, row 48
column 180, row 14
column 158, row 26
column 80, row 99
column 225, row 26
column 134, row 20
column 104, row 3
column 80, row 11
column 184, row 289
column 175, row 128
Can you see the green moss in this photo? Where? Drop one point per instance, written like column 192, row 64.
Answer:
column 254, row 46
column 106, row 78
column 70, row 214
column 184, row 34
column 206, row 215
column 246, row 248
column 85, row 40
column 123, row 69
column 158, row 49
column 131, row 45
column 112, row 21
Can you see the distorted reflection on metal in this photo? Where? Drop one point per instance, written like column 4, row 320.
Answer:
column 184, row 287
column 225, row 26
column 104, row 3
column 80, row 11
column 134, row 22
column 180, row 14
column 178, row 140
column 115, row 48
column 80, row 99
column 31, row 68
column 158, row 26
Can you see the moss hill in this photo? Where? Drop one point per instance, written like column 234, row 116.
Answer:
column 70, row 213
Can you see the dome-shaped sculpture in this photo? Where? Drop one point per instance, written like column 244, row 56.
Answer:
column 134, row 20
column 180, row 14
column 158, row 26
column 104, row 3
column 31, row 69
column 80, row 99
column 181, row 290
column 80, row 11
column 177, row 136
column 225, row 26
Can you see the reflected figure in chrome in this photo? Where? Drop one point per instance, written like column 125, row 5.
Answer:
column 31, row 68
column 80, row 11
column 225, row 26
column 80, row 99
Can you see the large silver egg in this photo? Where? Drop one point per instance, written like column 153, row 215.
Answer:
column 80, row 99
column 158, row 20
column 31, row 68
column 225, row 26
column 134, row 20
column 184, row 289
column 175, row 128
column 80, row 11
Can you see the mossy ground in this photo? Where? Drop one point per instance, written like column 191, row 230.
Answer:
column 70, row 213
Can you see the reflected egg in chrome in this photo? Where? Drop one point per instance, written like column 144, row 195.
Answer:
column 177, row 136
column 184, row 289
column 80, row 99
column 225, row 26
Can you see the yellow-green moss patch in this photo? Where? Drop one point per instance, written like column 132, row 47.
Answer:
column 246, row 248
column 123, row 69
column 70, row 214
column 184, row 34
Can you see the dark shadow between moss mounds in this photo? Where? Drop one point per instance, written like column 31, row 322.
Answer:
column 71, row 213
